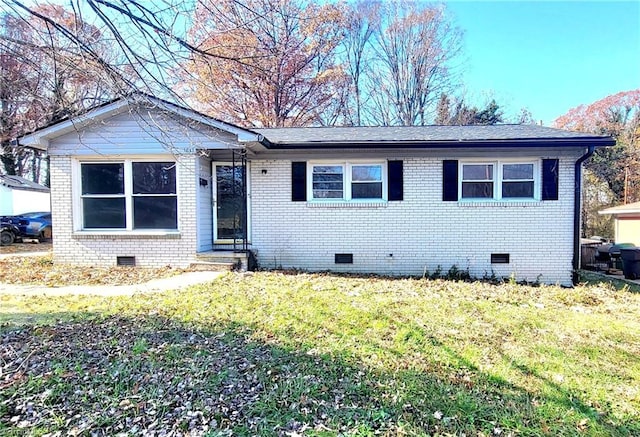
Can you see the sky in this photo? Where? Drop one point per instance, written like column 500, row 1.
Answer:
column 548, row 56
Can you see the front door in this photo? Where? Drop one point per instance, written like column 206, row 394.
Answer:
column 230, row 203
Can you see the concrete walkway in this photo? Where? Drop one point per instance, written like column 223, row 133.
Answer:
column 172, row 283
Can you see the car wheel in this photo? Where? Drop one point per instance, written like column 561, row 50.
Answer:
column 45, row 235
column 6, row 238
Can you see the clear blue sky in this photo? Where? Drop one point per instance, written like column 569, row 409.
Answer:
column 548, row 56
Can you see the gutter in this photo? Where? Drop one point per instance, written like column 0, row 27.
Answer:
column 430, row 144
column 577, row 197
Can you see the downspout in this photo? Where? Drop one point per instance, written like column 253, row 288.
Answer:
column 577, row 198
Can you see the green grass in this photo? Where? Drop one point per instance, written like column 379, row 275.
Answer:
column 323, row 355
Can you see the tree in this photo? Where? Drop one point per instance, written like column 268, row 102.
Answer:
column 460, row 113
column 617, row 115
column 44, row 79
column 266, row 62
column 362, row 19
column 612, row 175
column 415, row 46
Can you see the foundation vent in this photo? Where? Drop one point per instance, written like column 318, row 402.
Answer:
column 343, row 258
column 128, row 261
column 499, row 258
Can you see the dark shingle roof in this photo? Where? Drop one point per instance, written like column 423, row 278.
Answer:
column 20, row 183
column 426, row 135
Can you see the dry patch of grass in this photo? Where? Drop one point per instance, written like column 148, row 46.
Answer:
column 41, row 270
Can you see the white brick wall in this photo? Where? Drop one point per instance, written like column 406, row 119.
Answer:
column 100, row 250
column 422, row 231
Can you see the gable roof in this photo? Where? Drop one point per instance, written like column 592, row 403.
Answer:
column 40, row 137
column 20, row 183
column 629, row 208
column 426, row 136
column 434, row 136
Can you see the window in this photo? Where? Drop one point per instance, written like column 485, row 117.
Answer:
column 347, row 181
column 328, row 182
column 517, row 180
column 129, row 195
column 477, row 181
column 499, row 180
column 366, row 182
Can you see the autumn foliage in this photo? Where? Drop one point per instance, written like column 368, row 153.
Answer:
column 613, row 173
column 267, row 63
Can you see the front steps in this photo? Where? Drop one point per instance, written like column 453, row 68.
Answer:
column 221, row 260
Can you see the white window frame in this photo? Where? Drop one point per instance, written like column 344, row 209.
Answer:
column 78, row 214
column 347, row 167
column 498, row 171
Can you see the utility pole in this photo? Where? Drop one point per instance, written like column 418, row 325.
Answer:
column 626, row 183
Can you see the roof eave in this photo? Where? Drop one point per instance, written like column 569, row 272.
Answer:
column 528, row 142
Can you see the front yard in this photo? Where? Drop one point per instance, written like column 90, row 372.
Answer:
column 305, row 354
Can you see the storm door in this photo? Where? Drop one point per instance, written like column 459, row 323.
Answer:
column 230, row 203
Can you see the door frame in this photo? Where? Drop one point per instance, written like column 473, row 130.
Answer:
column 214, row 203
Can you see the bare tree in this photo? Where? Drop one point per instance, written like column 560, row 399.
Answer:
column 283, row 73
column 362, row 19
column 415, row 47
column 45, row 78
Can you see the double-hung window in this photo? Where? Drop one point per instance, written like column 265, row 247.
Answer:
column 499, row 180
column 347, row 181
column 518, row 180
column 477, row 181
column 129, row 195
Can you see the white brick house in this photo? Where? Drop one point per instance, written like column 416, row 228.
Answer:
column 144, row 181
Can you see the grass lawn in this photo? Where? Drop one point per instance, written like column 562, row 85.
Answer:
column 323, row 355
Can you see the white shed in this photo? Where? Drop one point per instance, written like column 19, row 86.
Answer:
column 19, row 195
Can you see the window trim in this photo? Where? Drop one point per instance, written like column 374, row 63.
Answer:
column 77, row 207
column 498, row 179
column 347, row 166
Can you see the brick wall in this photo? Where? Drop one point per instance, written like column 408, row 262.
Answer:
column 418, row 233
column 85, row 248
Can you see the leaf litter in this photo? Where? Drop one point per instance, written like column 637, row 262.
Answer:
column 42, row 270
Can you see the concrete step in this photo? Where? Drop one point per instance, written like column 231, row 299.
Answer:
column 213, row 266
column 238, row 259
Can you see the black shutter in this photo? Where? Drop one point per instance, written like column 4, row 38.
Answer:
column 395, row 190
column 550, row 176
column 450, row 180
column 299, row 181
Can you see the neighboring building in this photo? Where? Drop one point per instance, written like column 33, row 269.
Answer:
column 19, row 195
column 142, row 180
column 626, row 220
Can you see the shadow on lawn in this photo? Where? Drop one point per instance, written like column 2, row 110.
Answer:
column 107, row 375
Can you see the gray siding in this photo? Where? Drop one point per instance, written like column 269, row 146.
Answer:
column 140, row 133
column 205, row 206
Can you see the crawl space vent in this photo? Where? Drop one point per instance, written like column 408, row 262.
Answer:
column 126, row 261
column 344, row 258
column 499, row 258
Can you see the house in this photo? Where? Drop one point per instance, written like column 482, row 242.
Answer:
column 626, row 220
column 19, row 195
column 143, row 181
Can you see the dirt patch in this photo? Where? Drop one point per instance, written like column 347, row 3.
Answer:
column 26, row 247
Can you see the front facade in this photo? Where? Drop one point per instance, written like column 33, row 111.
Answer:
column 154, row 184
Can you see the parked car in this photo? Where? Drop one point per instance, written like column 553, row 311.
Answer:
column 8, row 233
column 33, row 225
